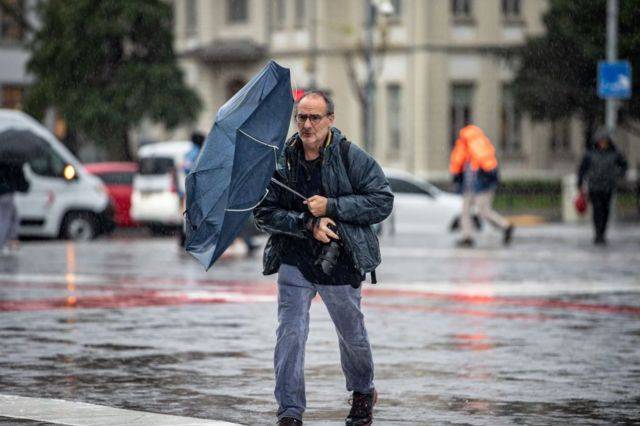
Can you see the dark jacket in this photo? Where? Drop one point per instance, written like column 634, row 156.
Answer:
column 12, row 178
column 356, row 201
column 601, row 169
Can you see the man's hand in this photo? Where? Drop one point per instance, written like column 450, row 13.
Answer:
column 322, row 232
column 317, row 205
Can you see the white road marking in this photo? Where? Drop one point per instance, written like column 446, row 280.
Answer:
column 83, row 414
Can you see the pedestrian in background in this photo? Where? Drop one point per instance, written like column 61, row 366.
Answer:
column 475, row 172
column 598, row 175
column 12, row 180
column 188, row 163
column 346, row 192
column 190, row 158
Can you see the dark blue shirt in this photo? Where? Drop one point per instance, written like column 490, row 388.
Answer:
column 303, row 253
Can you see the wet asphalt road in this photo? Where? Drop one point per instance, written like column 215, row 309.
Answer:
column 545, row 332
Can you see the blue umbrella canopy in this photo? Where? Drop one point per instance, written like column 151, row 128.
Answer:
column 236, row 163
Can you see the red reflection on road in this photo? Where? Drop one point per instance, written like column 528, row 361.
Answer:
column 474, row 342
column 119, row 292
column 457, row 311
column 130, row 300
column 513, row 301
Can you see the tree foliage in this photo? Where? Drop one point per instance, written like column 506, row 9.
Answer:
column 557, row 72
column 106, row 65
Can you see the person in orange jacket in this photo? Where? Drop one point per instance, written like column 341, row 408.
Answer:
column 474, row 168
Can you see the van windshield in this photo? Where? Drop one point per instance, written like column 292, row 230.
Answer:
column 24, row 146
column 156, row 165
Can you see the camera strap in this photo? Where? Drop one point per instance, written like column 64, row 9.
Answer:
column 344, row 154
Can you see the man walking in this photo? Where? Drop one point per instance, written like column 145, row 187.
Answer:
column 475, row 171
column 346, row 192
column 600, row 170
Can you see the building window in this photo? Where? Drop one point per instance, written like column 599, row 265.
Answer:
column 237, row 11
column 11, row 97
column 510, row 123
column 191, row 17
column 560, row 137
column 461, row 9
column 461, row 108
column 279, row 13
column 10, row 29
column 511, row 9
column 394, row 117
column 300, row 13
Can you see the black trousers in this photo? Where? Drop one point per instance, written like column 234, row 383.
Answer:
column 601, row 203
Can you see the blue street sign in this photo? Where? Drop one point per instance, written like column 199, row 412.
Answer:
column 614, row 80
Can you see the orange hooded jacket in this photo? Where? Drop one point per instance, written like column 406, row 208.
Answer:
column 474, row 146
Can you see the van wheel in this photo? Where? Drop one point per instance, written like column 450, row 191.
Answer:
column 79, row 227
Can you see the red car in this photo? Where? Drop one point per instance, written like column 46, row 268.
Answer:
column 118, row 178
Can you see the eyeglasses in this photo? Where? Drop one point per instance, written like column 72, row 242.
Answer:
column 314, row 118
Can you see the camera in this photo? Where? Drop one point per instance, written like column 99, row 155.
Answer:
column 329, row 256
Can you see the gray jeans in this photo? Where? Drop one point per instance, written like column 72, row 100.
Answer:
column 483, row 201
column 8, row 219
column 295, row 294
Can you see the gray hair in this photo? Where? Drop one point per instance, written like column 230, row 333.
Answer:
column 319, row 93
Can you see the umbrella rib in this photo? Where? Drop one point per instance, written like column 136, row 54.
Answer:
column 250, row 208
column 277, row 182
column 275, row 148
column 257, row 140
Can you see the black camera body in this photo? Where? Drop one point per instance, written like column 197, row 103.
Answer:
column 329, row 256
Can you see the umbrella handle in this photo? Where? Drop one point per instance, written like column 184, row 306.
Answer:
column 277, row 182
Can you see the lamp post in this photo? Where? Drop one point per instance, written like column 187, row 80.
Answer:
column 369, row 113
column 612, row 54
column 372, row 8
column 313, row 54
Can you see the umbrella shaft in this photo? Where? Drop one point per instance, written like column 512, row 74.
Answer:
column 277, row 182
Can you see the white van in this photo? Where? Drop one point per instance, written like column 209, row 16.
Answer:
column 155, row 200
column 63, row 200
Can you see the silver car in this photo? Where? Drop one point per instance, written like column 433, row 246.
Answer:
column 420, row 207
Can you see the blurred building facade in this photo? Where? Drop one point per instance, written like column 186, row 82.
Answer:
column 435, row 67
column 435, row 70
column 13, row 57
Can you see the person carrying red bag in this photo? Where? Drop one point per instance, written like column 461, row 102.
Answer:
column 599, row 171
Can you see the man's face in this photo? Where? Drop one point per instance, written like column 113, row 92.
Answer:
column 603, row 144
column 312, row 120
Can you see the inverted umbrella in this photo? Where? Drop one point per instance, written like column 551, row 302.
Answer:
column 236, row 163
